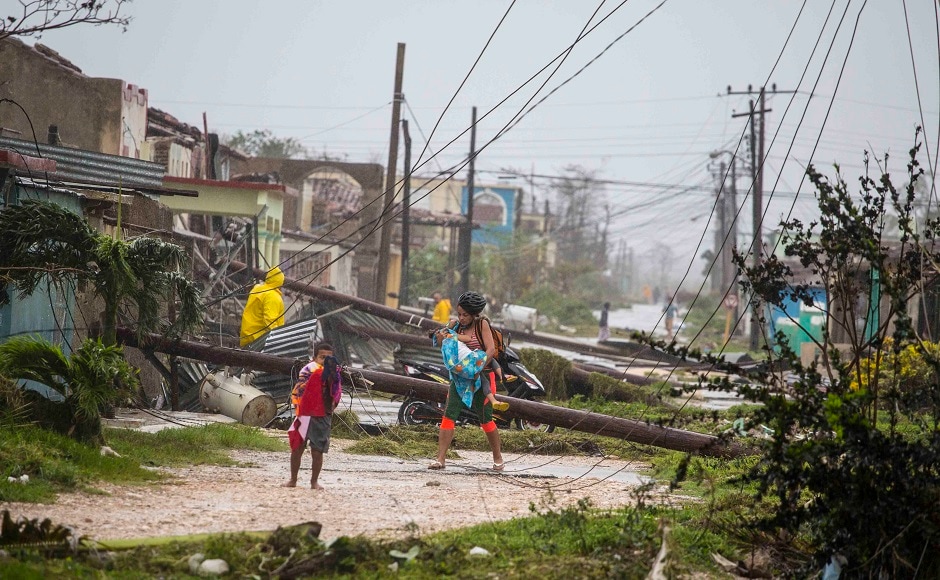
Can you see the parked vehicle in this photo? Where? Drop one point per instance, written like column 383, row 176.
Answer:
column 518, row 382
column 517, row 317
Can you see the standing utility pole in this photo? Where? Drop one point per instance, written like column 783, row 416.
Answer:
column 381, row 270
column 466, row 231
column 757, row 180
column 731, row 207
column 405, row 218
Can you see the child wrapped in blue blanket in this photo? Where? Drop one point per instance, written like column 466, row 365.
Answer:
column 465, row 366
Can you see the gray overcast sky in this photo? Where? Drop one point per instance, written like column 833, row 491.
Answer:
column 648, row 110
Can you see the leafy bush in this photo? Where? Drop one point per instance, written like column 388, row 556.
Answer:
column 850, row 472
column 910, row 372
column 91, row 379
column 551, row 369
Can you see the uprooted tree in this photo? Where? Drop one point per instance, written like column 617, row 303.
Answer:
column 850, row 471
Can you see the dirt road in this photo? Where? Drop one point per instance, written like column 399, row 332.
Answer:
column 371, row 495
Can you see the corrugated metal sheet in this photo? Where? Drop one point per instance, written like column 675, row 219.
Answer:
column 81, row 165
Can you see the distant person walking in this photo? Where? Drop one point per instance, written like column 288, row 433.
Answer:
column 670, row 310
column 442, row 309
column 648, row 294
column 603, row 332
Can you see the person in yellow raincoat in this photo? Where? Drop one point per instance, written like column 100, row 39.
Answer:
column 265, row 307
column 442, row 309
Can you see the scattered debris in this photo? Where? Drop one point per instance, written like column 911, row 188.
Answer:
column 478, row 551
column 739, row 568
column 214, row 567
column 194, row 562
column 32, row 535
column 107, row 451
column 833, row 569
column 406, row 556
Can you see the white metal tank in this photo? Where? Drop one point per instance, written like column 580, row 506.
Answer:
column 223, row 393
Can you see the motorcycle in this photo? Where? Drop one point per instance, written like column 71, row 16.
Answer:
column 518, row 382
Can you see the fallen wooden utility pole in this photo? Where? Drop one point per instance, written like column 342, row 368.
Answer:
column 629, row 350
column 587, row 422
column 577, row 375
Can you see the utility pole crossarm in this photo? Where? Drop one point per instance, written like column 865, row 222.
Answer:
column 757, row 113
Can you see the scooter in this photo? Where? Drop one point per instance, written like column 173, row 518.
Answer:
column 518, row 382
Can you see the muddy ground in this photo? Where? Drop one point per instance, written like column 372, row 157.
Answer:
column 371, row 495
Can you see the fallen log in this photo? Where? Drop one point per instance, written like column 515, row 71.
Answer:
column 584, row 421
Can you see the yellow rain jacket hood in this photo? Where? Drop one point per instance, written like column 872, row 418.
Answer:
column 264, row 310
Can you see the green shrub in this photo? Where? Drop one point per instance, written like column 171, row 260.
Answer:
column 551, row 370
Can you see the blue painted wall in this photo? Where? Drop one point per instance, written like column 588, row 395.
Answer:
column 48, row 312
column 497, row 234
column 811, row 320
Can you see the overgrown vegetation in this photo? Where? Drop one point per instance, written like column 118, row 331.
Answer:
column 564, row 308
column 551, row 369
column 850, row 467
column 850, row 462
column 93, row 378
column 44, row 245
column 578, row 541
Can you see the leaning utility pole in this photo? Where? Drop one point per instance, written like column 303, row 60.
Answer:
column 385, row 223
column 405, row 218
column 757, row 180
column 466, row 231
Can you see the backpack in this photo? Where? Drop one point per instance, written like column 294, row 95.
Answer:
column 498, row 341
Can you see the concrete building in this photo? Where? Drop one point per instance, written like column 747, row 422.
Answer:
column 335, row 197
column 263, row 202
column 66, row 107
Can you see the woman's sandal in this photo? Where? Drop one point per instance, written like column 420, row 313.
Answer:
column 499, row 466
column 436, row 465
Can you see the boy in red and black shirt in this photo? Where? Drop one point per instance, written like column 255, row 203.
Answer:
column 321, row 394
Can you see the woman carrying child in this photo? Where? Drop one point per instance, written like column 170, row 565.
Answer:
column 473, row 331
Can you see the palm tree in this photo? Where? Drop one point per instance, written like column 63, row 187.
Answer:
column 41, row 241
column 93, row 377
